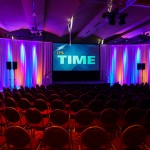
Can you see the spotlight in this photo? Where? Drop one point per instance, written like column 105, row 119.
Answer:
column 112, row 20
column 111, row 16
column 122, row 19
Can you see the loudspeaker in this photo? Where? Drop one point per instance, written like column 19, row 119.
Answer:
column 143, row 66
column 139, row 66
column 8, row 65
column 14, row 65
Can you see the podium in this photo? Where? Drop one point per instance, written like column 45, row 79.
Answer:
column 9, row 66
column 141, row 66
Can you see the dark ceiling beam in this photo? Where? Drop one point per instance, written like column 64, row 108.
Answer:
column 98, row 22
column 141, row 25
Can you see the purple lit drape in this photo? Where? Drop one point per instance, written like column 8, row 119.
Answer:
column 33, row 62
column 118, row 63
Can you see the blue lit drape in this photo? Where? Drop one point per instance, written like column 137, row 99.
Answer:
column 118, row 63
column 33, row 60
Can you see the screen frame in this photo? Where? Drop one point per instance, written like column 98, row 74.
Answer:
column 65, row 75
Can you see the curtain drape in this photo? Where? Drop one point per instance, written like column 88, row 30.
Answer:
column 118, row 63
column 34, row 61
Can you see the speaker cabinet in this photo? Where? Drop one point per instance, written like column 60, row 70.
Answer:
column 139, row 66
column 8, row 65
column 143, row 66
column 14, row 65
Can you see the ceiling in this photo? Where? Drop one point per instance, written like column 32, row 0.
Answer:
column 50, row 17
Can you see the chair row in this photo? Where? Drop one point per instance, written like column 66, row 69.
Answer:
column 93, row 137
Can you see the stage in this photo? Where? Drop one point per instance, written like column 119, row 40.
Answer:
column 47, row 81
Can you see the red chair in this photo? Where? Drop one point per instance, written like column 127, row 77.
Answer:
column 56, row 138
column 60, row 118
column 18, row 138
column 83, row 119
column 2, row 141
column 133, row 137
column 14, row 118
column 108, row 120
column 42, row 106
column 35, row 120
column 94, row 138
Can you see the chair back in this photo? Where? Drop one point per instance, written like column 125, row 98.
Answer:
column 133, row 136
column 55, row 137
column 84, row 117
column 17, row 136
column 11, row 114
column 59, row 117
column 33, row 115
column 57, row 104
column 94, row 137
column 40, row 104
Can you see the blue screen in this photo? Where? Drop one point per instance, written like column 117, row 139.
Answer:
column 75, row 57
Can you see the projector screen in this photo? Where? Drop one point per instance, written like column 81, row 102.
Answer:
column 75, row 58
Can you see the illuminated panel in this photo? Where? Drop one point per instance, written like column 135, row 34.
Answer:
column 138, row 60
column 113, row 67
column 10, row 58
column 125, row 66
column 22, row 65
column 34, row 64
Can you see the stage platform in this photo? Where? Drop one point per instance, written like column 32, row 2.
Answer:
column 79, row 82
column 48, row 81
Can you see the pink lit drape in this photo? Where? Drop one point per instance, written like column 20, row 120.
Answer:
column 118, row 63
column 33, row 62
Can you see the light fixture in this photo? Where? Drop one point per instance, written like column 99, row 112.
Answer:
column 34, row 31
column 122, row 18
column 70, row 25
column 112, row 16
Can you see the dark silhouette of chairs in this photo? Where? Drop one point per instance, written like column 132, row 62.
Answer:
column 129, row 103
column 18, row 138
column 57, row 104
column 96, row 106
column 42, row 106
column 60, row 118
column 75, row 106
column 41, row 96
column 53, row 97
column 132, row 116
column 29, row 97
column 14, row 118
column 35, row 120
column 17, row 96
column 132, row 137
column 112, row 103
column 145, row 103
column 7, row 94
column 2, row 96
column 69, row 98
column 85, row 98
column 83, row 119
column 2, row 141
column 108, row 121
column 9, row 102
column 2, row 107
column 56, row 137
column 94, row 138
column 24, row 104
column 146, row 121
